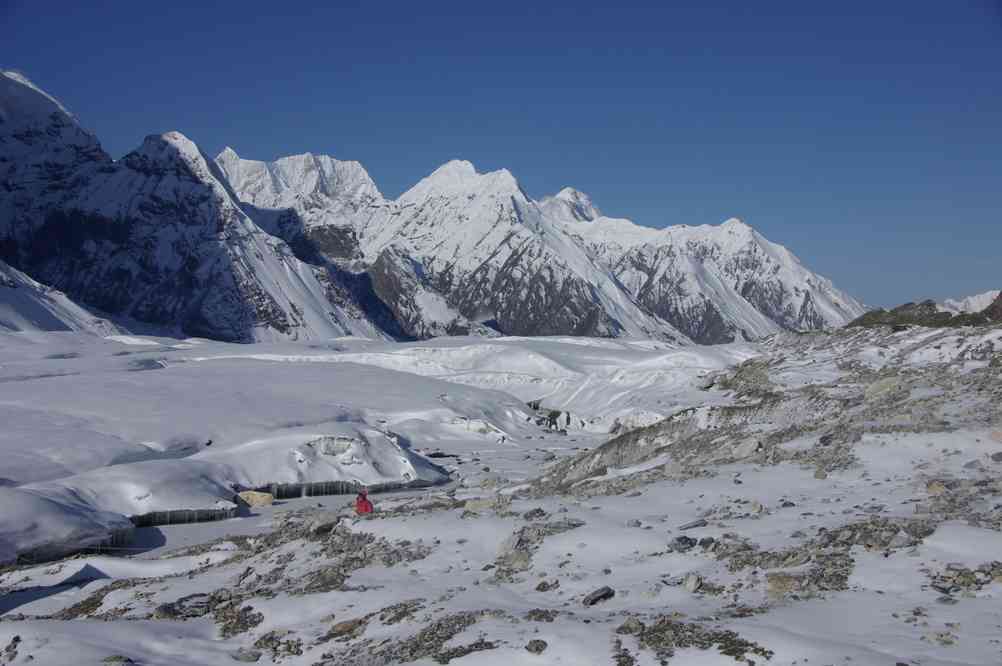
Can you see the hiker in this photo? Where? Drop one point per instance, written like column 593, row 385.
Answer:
column 362, row 503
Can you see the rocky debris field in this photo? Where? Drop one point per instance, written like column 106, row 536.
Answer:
column 837, row 499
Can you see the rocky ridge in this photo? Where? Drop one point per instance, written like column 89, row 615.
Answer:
column 929, row 314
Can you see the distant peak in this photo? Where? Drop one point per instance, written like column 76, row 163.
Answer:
column 577, row 203
column 455, row 168
column 179, row 141
column 280, row 183
column 227, row 154
column 461, row 177
column 170, row 151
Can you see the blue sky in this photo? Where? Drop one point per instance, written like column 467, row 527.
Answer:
column 865, row 136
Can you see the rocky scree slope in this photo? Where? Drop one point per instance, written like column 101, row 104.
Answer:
column 810, row 399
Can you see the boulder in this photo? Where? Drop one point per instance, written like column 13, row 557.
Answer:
column 536, row 646
column 256, row 498
column 601, row 594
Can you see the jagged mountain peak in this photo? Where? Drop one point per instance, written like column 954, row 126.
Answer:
column 297, row 181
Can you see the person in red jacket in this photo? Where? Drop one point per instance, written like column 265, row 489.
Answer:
column 362, row 503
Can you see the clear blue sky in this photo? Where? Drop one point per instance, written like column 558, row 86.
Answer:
column 865, row 136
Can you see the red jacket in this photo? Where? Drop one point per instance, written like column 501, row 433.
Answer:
column 362, row 505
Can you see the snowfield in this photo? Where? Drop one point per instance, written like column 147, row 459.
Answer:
column 823, row 498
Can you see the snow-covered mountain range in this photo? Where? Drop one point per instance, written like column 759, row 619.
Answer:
column 307, row 247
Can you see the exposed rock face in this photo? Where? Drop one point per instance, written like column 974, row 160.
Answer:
column 421, row 311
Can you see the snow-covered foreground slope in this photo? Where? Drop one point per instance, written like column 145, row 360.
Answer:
column 26, row 305
column 833, row 498
column 129, row 425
